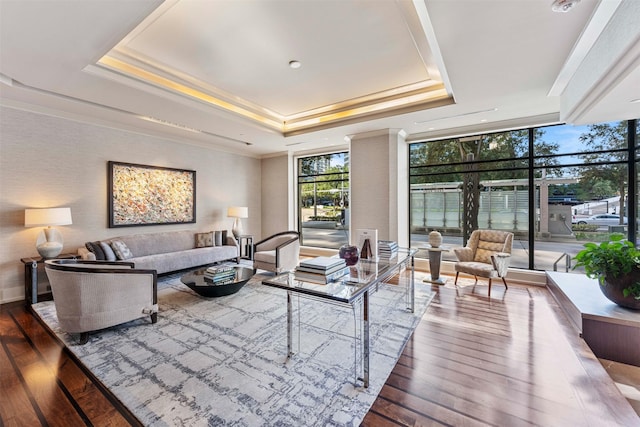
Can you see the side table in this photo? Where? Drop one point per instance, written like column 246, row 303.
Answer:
column 31, row 266
column 245, row 242
column 435, row 259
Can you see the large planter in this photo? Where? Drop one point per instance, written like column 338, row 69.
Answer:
column 613, row 289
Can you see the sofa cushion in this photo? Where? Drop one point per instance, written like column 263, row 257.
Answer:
column 204, row 240
column 266, row 256
column 159, row 243
column 486, row 249
column 96, row 249
column 121, row 249
column 109, row 254
column 174, row 261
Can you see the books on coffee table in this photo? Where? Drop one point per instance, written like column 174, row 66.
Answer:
column 387, row 249
column 322, row 264
column 220, row 275
column 321, row 278
column 321, row 270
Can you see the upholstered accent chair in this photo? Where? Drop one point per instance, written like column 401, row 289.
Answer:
column 487, row 254
column 277, row 253
column 93, row 295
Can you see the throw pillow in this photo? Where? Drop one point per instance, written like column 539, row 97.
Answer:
column 121, row 249
column 204, row 240
column 224, row 237
column 96, row 249
column 218, row 238
column 109, row 255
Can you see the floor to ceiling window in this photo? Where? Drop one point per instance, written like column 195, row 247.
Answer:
column 555, row 187
column 323, row 199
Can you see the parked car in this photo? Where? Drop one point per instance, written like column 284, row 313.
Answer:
column 602, row 219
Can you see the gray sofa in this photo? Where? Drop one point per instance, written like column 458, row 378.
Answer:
column 164, row 252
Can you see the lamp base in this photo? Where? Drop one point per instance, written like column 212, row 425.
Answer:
column 237, row 228
column 49, row 249
column 49, row 243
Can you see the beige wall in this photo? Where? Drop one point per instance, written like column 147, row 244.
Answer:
column 49, row 162
column 276, row 193
column 378, row 179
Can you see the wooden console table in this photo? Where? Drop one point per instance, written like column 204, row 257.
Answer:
column 612, row 332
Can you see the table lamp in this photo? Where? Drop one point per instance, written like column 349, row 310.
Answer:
column 237, row 213
column 49, row 242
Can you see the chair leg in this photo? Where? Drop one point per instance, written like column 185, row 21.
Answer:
column 505, row 283
column 489, row 294
column 455, row 283
column 84, row 338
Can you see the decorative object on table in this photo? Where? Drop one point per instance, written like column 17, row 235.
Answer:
column 387, row 249
column 150, row 195
column 616, row 265
column 321, row 270
column 237, row 212
column 435, row 239
column 349, row 254
column 49, row 242
column 366, row 250
column 369, row 248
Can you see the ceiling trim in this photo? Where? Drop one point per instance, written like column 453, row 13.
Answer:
column 409, row 98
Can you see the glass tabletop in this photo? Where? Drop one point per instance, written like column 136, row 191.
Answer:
column 357, row 279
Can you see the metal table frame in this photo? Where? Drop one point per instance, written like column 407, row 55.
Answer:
column 351, row 290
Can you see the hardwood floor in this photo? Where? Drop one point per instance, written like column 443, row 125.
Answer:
column 508, row 361
column 41, row 383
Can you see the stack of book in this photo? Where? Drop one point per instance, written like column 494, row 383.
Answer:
column 387, row 249
column 220, row 275
column 321, row 270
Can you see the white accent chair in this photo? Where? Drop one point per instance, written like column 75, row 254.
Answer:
column 487, row 254
column 93, row 295
column 277, row 253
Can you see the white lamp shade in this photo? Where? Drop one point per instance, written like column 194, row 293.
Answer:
column 47, row 217
column 238, row 212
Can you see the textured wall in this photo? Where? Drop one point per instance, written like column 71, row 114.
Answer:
column 276, row 208
column 49, row 162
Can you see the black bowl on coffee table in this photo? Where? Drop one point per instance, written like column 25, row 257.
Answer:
column 205, row 287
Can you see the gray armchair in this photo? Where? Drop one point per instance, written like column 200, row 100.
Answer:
column 277, row 253
column 487, row 254
column 93, row 295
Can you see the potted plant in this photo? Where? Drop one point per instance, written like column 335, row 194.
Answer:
column 616, row 265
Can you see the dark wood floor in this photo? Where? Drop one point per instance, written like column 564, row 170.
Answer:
column 508, row 361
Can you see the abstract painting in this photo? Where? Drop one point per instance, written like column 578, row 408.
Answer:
column 150, row 195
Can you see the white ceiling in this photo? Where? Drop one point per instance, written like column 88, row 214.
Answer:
column 498, row 64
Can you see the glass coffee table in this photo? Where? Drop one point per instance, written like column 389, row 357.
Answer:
column 198, row 283
column 353, row 290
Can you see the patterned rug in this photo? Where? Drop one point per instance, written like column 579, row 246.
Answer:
column 222, row 361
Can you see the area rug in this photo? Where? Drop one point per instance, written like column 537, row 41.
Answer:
column 222, row 361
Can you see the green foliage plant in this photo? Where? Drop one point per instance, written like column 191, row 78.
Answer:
column 614, row 257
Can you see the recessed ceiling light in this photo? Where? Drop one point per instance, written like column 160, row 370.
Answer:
column 563, row 5
column 295, row 64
